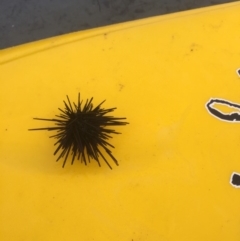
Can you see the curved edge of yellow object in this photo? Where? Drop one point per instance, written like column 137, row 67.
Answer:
column 13, row 53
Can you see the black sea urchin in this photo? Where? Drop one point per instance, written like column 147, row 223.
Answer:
column 83, row 131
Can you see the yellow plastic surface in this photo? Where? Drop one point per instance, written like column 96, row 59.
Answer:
column 175, row 158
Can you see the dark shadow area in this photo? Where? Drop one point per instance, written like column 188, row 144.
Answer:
column 23, row 21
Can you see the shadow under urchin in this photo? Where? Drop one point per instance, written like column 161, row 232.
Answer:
column 81, row 130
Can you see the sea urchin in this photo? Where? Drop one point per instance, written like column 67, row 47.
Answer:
column 82, row 130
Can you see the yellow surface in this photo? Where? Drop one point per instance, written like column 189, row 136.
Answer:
column 175, row 158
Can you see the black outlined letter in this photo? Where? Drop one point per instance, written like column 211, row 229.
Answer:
column 230, row 117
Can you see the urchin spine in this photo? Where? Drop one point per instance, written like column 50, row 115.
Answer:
column 82, row 130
